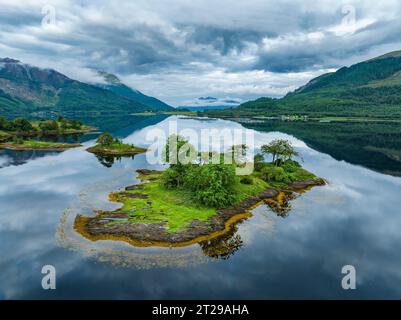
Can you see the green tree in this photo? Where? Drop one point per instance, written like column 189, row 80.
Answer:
column 258, row 161
column 75, row 124
column 213, row 184
column 106, row 139
column 48, row 125
column 178, row 151
column 280, row 150
column 21, row 124
column 4, row 124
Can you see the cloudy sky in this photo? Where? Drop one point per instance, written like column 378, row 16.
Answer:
column 180, row 50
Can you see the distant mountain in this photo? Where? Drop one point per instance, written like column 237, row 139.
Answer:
column 205, row 108
column 114, row 84
column 26, row 90
column 371, row 88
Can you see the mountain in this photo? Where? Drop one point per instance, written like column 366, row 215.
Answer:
column 27, row 90
column 204, row 108
column 114, row 84
column 371, row 88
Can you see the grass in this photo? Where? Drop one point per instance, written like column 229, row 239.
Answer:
column 37, row 145
column 4, row 135
column 116, row 149
column 174, row 207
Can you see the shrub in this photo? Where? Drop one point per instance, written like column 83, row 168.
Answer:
column 48, row 125
column 18, row 140
column 105, row 139
column 291, row 166
column 5, row 125
column 21, row 124
column 213, row 185
column 258, row 161
column 275, row 174
column 247, row 180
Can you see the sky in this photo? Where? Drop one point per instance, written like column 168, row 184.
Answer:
column 179, row 50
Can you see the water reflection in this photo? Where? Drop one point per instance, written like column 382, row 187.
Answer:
column 224, row 246
column 109, row 160
column 355, row 219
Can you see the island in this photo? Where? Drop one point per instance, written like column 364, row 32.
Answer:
column 22, row 127
column 199, row 201
column 17, row 134
column 25, row 145
column 109, row 146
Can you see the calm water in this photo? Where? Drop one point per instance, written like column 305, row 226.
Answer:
column 356, row 220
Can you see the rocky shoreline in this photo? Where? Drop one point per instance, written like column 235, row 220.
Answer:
column 155, row 234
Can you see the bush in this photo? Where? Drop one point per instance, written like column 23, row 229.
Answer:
column 213, row 185
column 5, row 125
column 275, row 174
column 21, row 124
column 247, row 180
column 106, row 139
column 48, row 125
column 18, row 140
column 291, row 166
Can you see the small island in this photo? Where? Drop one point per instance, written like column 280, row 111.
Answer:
column 25, row 145
column 17, row 134
column 24, row 128
column 198, row 201
column 109, row 146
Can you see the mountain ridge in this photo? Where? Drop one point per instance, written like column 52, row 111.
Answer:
column 370, row 88
column 114, row 84
column 27, row 90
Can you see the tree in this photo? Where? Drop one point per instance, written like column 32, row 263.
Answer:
column 75, row 124
column 280, row 149
column 178, row 151
column 4, row 124
column 258, row 161
column 214, row 185
column 48, row 125
column 106, row 139
column 21, row 124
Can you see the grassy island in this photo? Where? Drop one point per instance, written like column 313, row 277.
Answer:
column 189, row 203
column 24, row 128
column 21, row 145
column 107, row 145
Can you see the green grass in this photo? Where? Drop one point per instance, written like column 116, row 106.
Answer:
column 40, row 144
column 174, row 207
column 116, row 148
column 121, row 146
column 4, row 135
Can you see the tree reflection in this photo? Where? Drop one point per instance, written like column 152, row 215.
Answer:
column 282, row 206
column 223, row 247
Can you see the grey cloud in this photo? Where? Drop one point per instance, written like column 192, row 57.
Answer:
column 193, row 43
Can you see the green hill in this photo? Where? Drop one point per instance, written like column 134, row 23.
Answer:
column 27, row 90
column 368, row 89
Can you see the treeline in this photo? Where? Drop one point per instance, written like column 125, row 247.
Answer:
column 26, row 126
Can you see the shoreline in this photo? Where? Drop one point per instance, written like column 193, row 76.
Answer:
column 8, row 146
column 115, row 152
